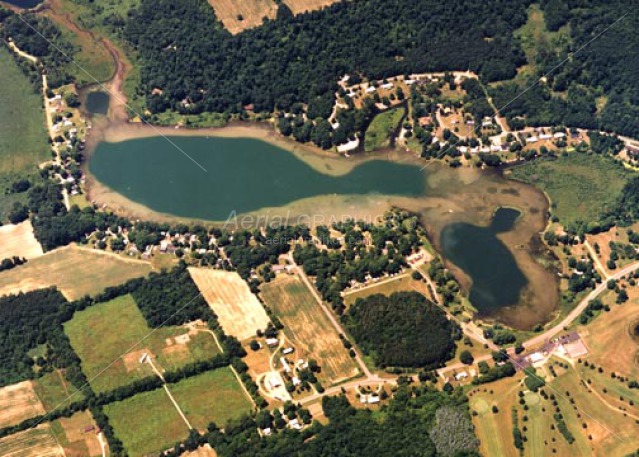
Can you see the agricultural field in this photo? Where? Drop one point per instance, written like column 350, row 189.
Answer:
column 213, row 396
column 238, row 15
column 23, row 137
column 75, row 271
column 581, row 187
column 308, row 327
column 111, row 331
column 17, row 403
column 34, row 442
column 379, row 131
column 77, row 435
column 19, row 240
column 609, row 337
column 302, row 6
column 55, row 391
column 404, row 283
column 202, row 451
column 239, row 311
column 146, row 423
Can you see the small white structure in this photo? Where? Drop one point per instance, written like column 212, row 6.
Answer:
column 346, row 147
column 559, row 135
column 536, row 357
column 387, row 86
column 370, row 89
column 285, row 365
column 532, row 139
column 288, row 351
column 272, row 342
column 296, row 381
column 460, row 376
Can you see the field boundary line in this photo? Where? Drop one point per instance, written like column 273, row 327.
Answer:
column 244, row 389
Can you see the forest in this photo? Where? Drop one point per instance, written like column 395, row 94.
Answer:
column 409, row 426
column 596, row 88
column 199, row 66
column 403, row 330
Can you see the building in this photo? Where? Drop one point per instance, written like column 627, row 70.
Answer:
column 285, row 365
column 272, row 342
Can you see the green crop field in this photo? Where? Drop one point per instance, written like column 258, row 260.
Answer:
column 213, row 396
column 581, row 187
column 112, row 331
column 383, row 125
column 146, row 423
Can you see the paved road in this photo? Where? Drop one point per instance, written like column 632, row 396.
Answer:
column 576, row 312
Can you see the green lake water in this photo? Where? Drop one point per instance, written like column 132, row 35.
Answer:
column 97, row 102
column 497, row 281
column 243, row 175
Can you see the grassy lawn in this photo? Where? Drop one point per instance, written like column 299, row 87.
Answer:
column 582, row 187
column 387, row 287
column 146, row 423
column 54, row 391
column 112, row 331
column 213, row 396
column 381, row 128
column 74, row 270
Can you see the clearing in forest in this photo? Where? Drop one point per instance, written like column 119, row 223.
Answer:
column 308, row 327
column 302, row 6
column 75, row 271
column 238, row 310
column 213, row 396
column 111, row 332
column 17, row 403
column 18, row 240
column 33, row 442
column 238, row 15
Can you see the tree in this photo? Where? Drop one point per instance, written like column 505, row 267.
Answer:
column 466, row 357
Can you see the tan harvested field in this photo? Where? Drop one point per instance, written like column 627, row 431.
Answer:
column 17, row 403
column 34, row 442
column 609, row 339
column 301, row 6
column 252, row 13
column 386, row 287
column 202, row 451
column 239, row 311
column 18, row 240
column 74, row 270
column 308, row 327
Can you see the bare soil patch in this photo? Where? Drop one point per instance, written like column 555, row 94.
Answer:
column 17, row 403
column 34, row 442
column 239, row 311
column 18, row 240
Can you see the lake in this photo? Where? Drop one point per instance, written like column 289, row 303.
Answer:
column 497, row 281
column 97, row 102
column 242, row 175
column 23, row 3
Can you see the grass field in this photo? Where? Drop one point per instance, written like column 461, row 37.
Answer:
column 74, row 270
column 239, row 311
column 386, row 287
column 381, row 128
column 111, row 331
column 23, row 137
column 17, row 403
column 146, row 423
column 70, row 433
column 308, row 327
column 238, row 15
column 583, row 187
column 54, row 391
column 213, row 396
column 609, row 340
column 18, row 240
column 495, row 430
column 34, row 442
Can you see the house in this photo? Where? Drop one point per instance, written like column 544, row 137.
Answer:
column 288, row 351
column 267, row 431
column 164, row 244
column 370, row 89
column 535, row 357
column 294, row 423
column 285, row 365
column 461, row 376
column 272, row 342
column 545, row 136
column 561, row 135
column 387, row 86
column 346, row 147
column 296, row 381
column 532, row 139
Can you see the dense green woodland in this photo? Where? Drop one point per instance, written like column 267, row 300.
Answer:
column 403, row 330
column 607, row 67
column 185, row 52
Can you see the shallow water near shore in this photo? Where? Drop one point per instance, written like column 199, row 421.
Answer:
column 261, row 182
